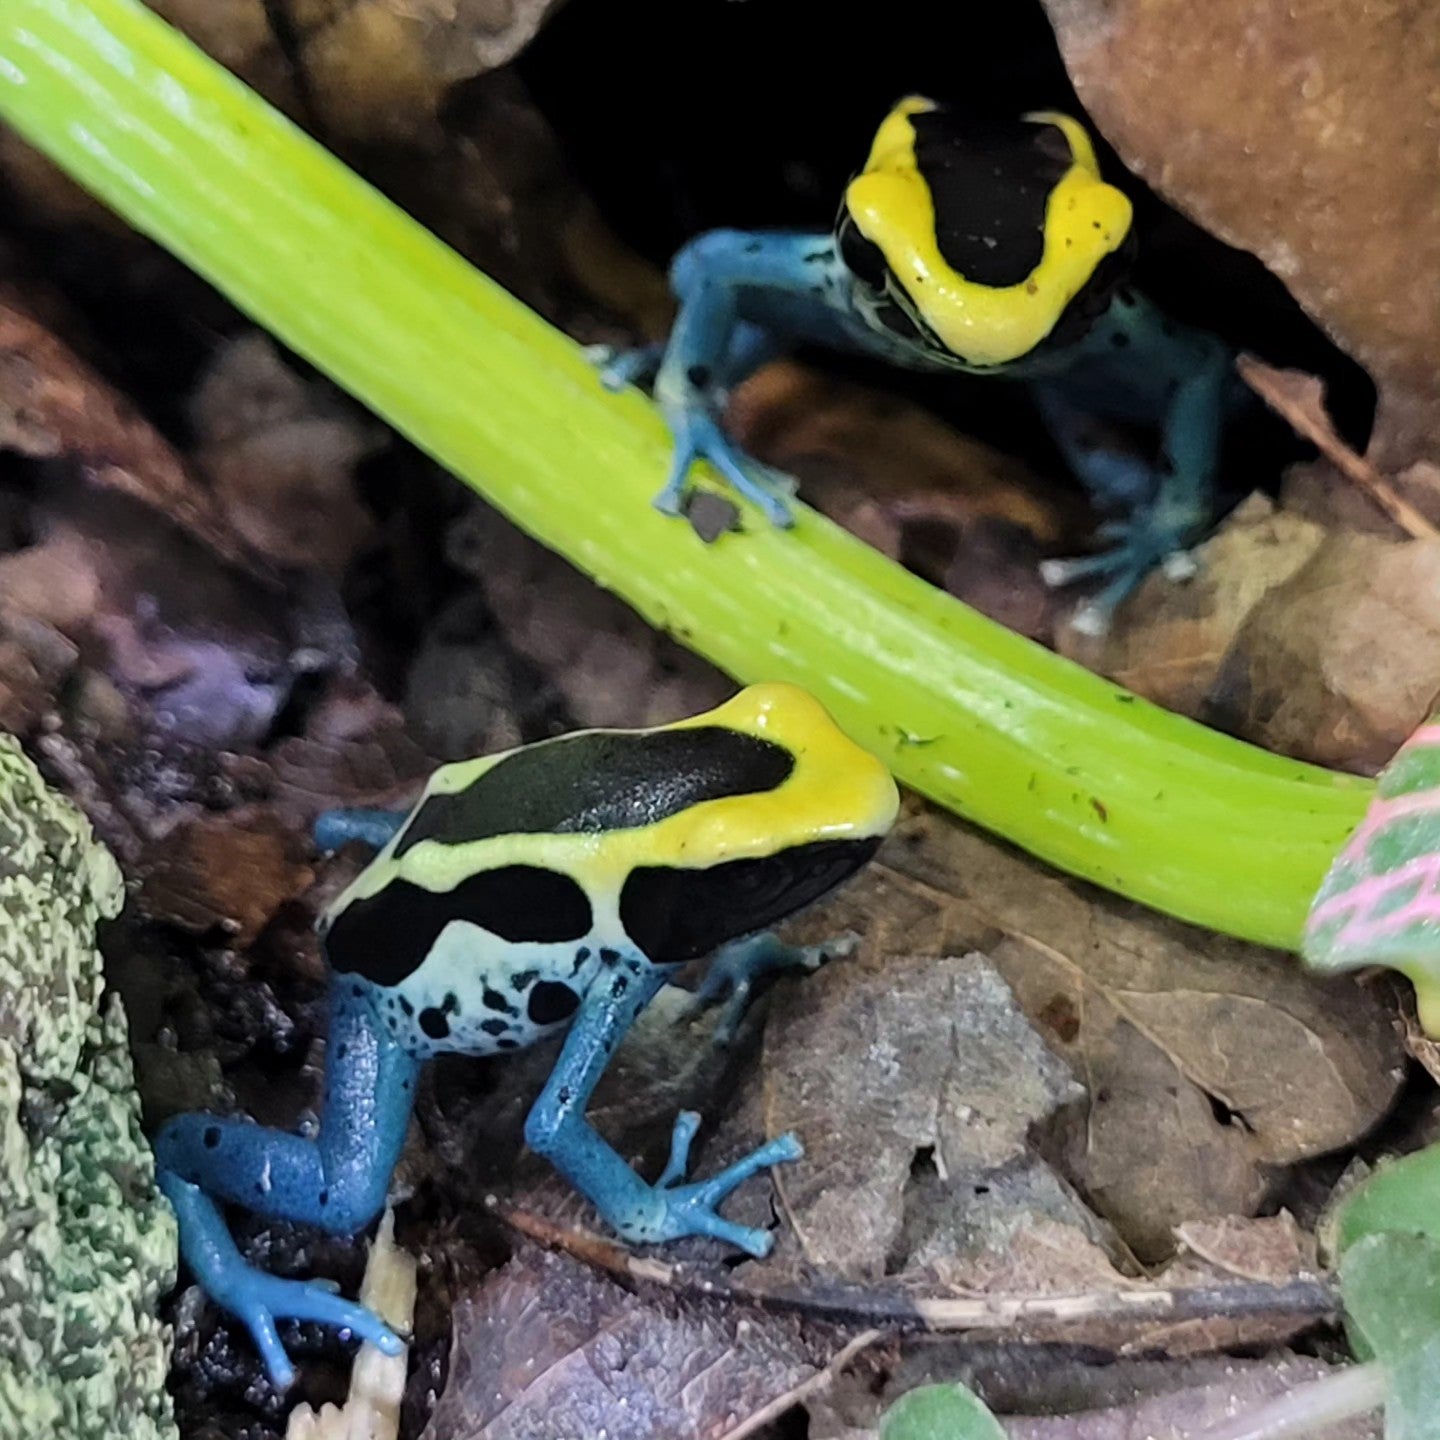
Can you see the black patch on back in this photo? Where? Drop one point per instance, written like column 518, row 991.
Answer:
column 551, row 1002
column 386, row 937
column 990, row 182
column 674, row 914
column 604, row 780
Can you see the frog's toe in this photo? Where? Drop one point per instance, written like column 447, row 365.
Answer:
column 618, row 366
column 260, row 1300
column 694, row 1208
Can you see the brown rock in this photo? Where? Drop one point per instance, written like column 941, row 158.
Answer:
column 1307, row 132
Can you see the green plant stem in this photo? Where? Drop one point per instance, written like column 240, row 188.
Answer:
column 1068, row 766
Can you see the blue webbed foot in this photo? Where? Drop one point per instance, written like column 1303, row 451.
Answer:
column 1139, row 546
column 692, row 1209
column 698, row 436
column 737, row 968
column 257, row 1299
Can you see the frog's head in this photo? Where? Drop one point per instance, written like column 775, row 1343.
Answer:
column 984, row 244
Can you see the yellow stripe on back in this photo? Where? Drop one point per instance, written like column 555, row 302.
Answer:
column 891, row 204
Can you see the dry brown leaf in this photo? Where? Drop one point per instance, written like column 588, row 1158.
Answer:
column 280, row 455
column 1271, row 1248
column 1300, row 398
column 1169, row 642
column 355, row 751
column 916, row 1082
column 1208, row 1062
column 233, row 870
column 609, row 666
column 52, row 404
column 1341, row 662
column 550, row 1350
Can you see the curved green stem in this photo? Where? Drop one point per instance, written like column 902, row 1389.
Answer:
column 1068, row 766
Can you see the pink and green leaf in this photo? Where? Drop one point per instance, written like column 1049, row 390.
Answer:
column 1380, row 902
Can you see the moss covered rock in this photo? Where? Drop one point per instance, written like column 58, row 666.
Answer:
column 87, row 1244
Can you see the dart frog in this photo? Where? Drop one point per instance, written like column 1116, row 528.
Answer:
column 556, row 887
column 994, row 250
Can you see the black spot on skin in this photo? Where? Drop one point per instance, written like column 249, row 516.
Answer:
column 494, row 1000
column 341, row 1051
column 494, row 1027
column 434, row 1023
column 324, row 1197
column 523, row 979
column 698, row 376
column 621, row 985
column 609, row 956
column 450, row 1005
column 551, row 1002
column 600, row 780
column 1120, row 340
column 406, row 1006
column 357, row 991
column 387, row 936
column 817, row 257
column 211, row 1137
column 676, row 914
column 752, row 247
column 563, row 1095
column 507, row 1044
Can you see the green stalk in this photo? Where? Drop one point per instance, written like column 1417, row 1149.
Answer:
column 1063, row 763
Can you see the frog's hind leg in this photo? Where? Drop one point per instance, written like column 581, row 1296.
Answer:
column 557, row 1129
column 336, row 1181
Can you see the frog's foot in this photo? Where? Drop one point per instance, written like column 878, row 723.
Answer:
column 375, row 828
column 737, row 968
column 261, row 1300
column 698, row 436
column 619, row 366
column 1140, row 547
column 692, row 1209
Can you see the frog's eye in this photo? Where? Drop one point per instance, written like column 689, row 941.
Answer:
column 676, row 914
column 1093, row 298
column 863, row 258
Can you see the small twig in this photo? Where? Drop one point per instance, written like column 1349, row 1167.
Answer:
column 820, row 1380
column 1018, row 1316
column 1300, row 399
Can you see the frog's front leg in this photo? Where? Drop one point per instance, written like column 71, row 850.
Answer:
column 558, row 1130
column 726, row 281
column 336, row 1181
column 738, row 967
column 1167, row 515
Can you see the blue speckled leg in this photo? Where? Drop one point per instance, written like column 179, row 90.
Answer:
column 375, row 828
column 557, row 1129
column 336, row 1181
column 739, row 966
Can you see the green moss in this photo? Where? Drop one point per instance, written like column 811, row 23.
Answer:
column 87, row 1245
